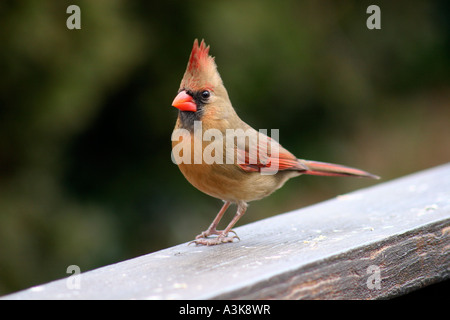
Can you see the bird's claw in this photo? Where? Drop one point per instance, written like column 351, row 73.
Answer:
column 207, row 233
column 221, row 238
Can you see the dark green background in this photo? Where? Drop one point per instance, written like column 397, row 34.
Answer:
column 86, row 117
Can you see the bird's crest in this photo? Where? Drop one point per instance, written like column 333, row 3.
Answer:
column 201, row 70
column 199, row 57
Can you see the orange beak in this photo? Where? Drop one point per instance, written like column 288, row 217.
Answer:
column 184, row 102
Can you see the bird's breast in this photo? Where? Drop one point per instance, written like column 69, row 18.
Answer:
column 218, row 177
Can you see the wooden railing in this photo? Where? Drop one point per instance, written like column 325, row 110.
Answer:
column 379, row 242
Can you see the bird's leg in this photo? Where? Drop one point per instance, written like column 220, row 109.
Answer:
column 223, row 235
column 212, row 228
column 242, row 207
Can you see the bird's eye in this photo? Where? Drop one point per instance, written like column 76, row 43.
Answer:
column 206, row 94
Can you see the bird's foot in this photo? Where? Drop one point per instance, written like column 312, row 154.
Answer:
column 207, row 233
column 202, row 239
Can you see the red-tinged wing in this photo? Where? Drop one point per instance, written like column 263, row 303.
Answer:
column 263, row 154
column 280, row 163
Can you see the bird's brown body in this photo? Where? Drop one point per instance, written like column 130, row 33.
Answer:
column 228, row 182
column 235, row 177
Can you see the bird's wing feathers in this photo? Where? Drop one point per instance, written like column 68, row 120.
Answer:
column 262, row 153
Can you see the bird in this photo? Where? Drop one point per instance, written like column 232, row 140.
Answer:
column 243, row 170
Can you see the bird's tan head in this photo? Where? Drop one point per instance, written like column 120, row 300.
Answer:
column 201, row 84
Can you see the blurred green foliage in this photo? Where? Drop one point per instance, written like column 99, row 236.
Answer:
column 85, row 116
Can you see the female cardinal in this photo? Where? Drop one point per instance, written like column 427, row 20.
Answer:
column 256, row 166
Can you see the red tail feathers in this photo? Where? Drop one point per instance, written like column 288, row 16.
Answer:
column 317, row 168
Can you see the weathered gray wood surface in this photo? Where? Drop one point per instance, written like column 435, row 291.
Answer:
column 331, row 250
